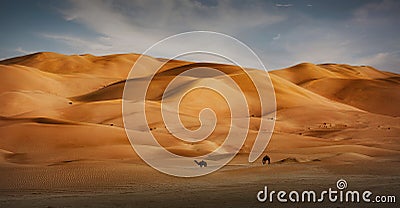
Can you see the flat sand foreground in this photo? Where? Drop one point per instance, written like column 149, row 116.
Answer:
column 119, row 184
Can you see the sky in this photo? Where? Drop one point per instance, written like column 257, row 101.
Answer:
column 281, row 33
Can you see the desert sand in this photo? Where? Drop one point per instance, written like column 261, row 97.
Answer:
column 63, row 143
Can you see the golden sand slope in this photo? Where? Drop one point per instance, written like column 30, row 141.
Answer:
column 59, row 108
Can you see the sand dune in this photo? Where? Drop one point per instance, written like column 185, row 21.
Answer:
column 63, row 112
column 360, row 86
column 61, row 127
column 323, row 101
column 369, row 95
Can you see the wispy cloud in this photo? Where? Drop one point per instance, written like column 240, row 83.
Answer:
column 388, row 59
column 127, row 26
column 283, row 5
column 367, row 35
column 23, row 51
column 375, row 13
column 277, row 37
column 98, row 45
column 168, row 16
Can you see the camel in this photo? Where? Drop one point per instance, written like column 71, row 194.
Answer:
column 201, row 163
column 264, row 160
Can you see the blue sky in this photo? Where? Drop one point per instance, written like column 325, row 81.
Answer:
column 282, row 33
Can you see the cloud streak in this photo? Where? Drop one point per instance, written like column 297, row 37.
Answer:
column 138, row 24
column 23, row 51
column 353, row 33
column 284, row 5
column 277, row 37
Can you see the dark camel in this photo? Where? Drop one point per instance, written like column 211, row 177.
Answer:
column 201, row 163
column 264, row 160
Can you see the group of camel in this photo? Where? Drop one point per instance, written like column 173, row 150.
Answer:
column 203, row 163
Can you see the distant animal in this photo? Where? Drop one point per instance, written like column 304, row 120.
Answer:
column 201, row 163
column 265, row 159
